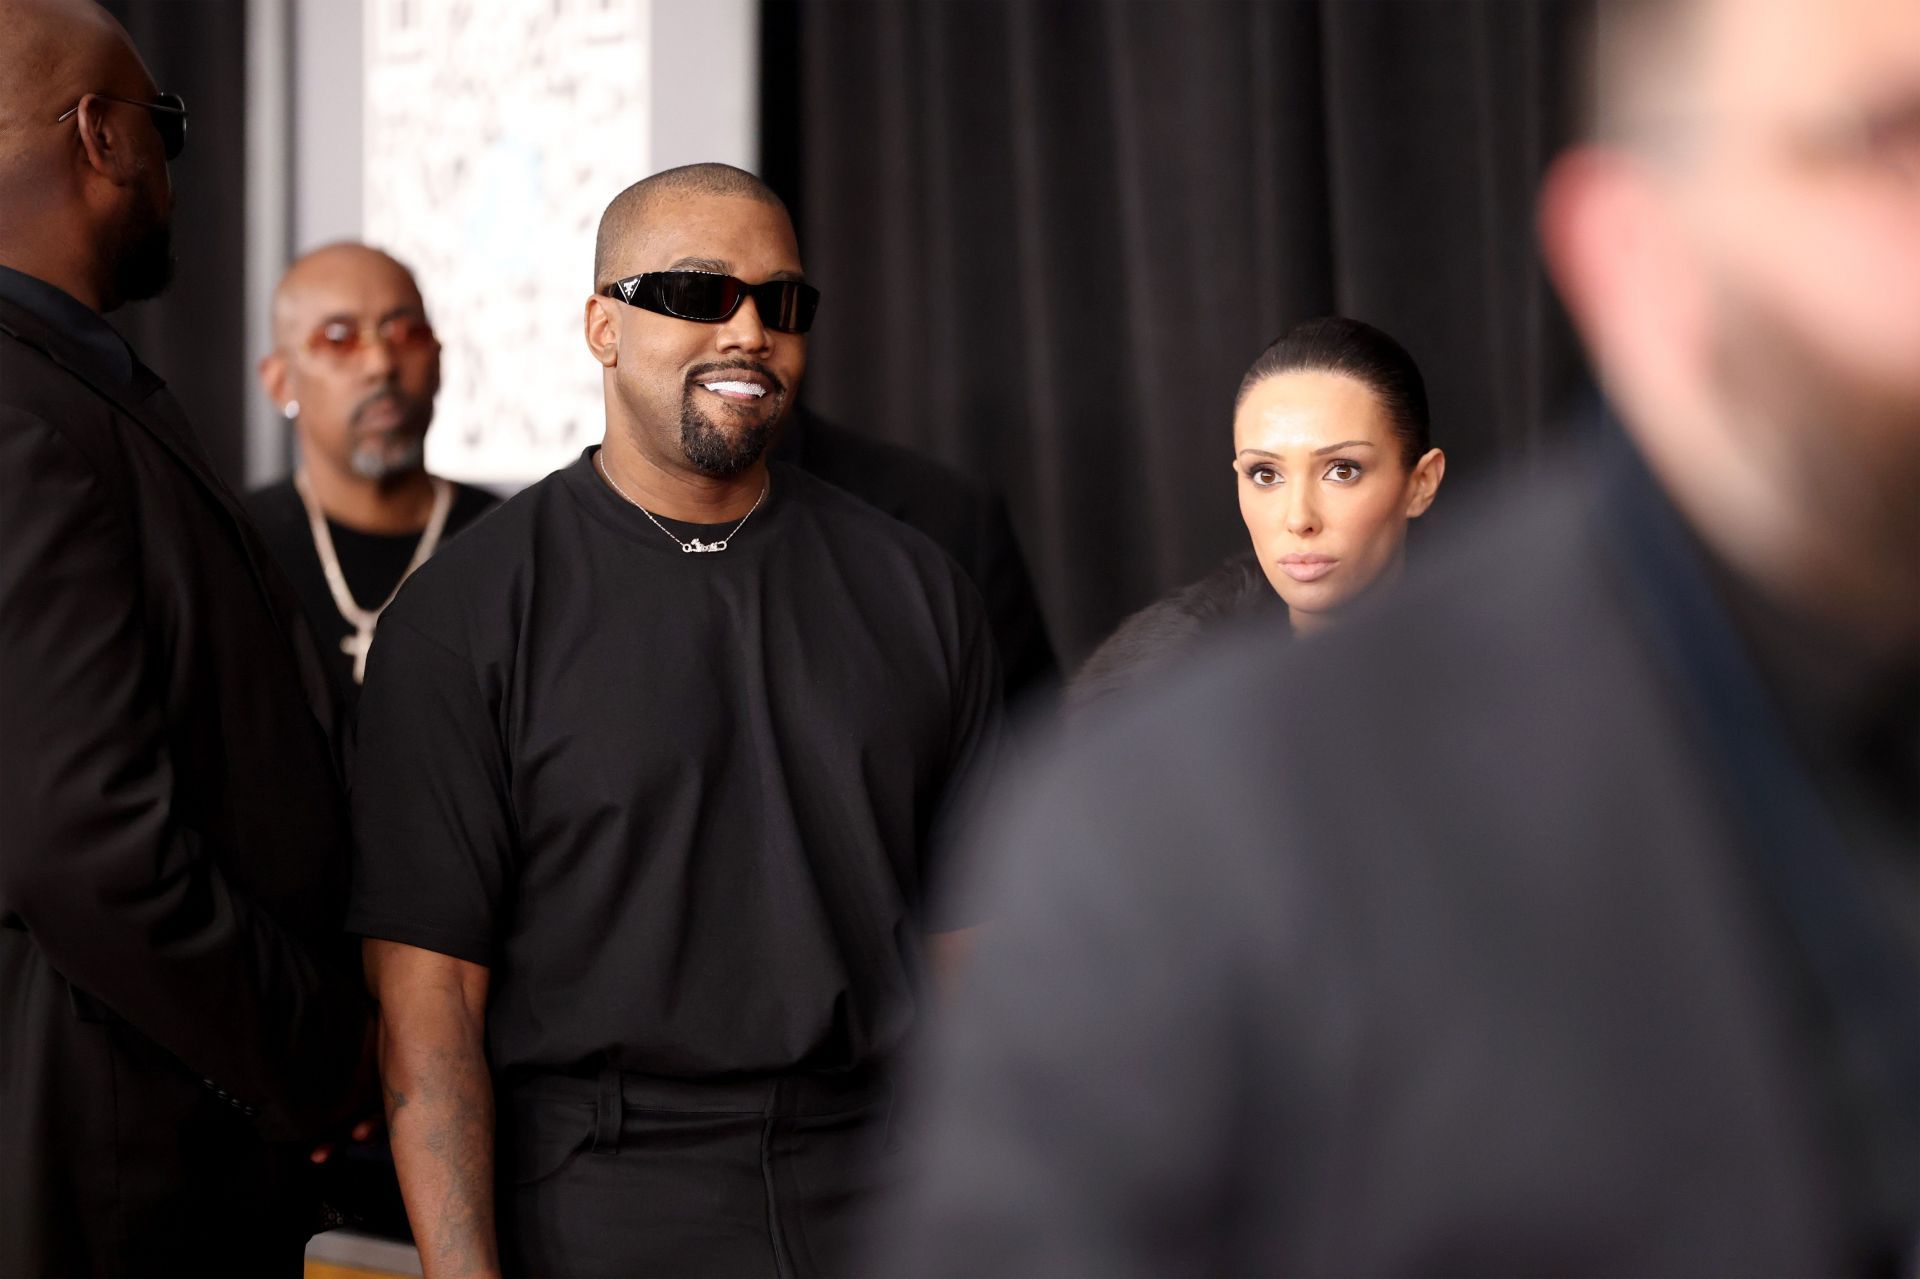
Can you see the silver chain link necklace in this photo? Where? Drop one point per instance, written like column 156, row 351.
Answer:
column 696, row 546
column 364, row 620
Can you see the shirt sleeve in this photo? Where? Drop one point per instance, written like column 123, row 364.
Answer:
column 431, row 809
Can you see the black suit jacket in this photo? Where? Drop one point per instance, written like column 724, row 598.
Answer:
column 175, row 994
column 1453, row 941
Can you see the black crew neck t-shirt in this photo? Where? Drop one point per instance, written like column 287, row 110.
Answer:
column 682, row 805
column 372, row 563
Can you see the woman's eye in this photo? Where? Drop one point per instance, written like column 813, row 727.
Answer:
column 1343, row 472
column 1264, row 476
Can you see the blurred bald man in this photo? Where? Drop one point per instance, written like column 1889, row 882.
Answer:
column 1564, row 916
column 178, row 1014
column 355, row 367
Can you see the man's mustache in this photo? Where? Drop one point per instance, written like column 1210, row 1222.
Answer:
column 406, row 404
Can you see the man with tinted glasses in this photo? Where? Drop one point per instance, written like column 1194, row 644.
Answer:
column 355, row 367
column 654, row 764
column 178, row 1015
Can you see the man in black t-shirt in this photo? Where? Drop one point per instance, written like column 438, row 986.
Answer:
column 651, row 765
column 355, row 367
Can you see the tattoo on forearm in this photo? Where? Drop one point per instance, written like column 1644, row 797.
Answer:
column 448, row 1099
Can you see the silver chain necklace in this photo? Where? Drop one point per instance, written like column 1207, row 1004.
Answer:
column 696, row 546
column 364, row 620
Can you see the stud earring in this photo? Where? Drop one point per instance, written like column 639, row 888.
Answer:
column 290, row 410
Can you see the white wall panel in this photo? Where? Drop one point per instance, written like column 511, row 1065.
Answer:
column 495, row 133
column 478, row 141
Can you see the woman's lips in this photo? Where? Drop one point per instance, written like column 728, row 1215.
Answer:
column 1307, row 568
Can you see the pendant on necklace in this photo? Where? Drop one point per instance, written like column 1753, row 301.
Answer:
column 358, row 645
column 698, row 547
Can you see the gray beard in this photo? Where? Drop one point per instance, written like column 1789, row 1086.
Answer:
column 383, row 464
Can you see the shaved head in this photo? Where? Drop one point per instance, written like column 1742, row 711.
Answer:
column 51, row 52
column 355, row 365
column 86, row 202
column 625, row 223
column 317, row 273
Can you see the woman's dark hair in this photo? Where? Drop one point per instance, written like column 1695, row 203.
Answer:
column 1335, row 344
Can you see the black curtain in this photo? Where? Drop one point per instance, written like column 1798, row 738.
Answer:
column 194, row 335
column 1052, row 233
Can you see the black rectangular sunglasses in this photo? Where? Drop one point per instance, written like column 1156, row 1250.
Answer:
column 786, row 306
column 168, row 112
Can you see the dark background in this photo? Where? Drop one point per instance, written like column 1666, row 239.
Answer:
column 1051, row 235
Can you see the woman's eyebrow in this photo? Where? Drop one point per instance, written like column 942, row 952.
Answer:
column 1344, row 444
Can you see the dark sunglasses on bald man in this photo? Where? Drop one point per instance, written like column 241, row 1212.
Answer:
column 168, row 112
column 707, row 297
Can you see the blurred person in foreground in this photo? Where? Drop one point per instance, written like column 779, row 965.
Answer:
column 1564, row 917
column 653, row 768
column 178, row 1013
column 355, row 367
column 1332, row 459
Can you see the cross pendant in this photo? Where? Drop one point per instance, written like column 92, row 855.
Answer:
column 359, row 644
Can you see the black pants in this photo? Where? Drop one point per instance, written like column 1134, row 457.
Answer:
column 632, row 1176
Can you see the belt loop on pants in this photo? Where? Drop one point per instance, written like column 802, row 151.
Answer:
column 607, row 1116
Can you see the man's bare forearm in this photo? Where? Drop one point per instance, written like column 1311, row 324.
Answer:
column 440, row 1113
column 439, row 1103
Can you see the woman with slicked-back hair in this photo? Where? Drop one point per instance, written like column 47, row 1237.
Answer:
column 1332, row 458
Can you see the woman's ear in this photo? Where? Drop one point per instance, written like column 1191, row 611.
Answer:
column 603, row 332
column 1425, row 482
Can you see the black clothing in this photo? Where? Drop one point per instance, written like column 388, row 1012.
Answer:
column 358, row 1183
column 967, row 519
column 681, row 805
column 175, row 991
column 371, row 562
column 1477, row 941
column 1164, row 635
column 594, row 1175
column 92, row 339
